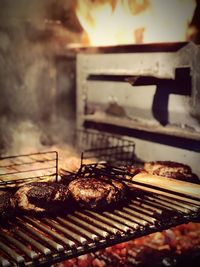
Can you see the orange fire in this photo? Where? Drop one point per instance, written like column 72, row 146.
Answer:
column 113, row 22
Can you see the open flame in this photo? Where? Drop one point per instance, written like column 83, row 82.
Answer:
column 113, row 22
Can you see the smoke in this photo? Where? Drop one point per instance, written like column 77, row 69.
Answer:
column 30, row 118
column 18, row 133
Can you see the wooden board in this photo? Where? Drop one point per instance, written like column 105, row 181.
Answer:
column 164, row 183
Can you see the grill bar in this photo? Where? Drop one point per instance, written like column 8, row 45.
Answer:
column 41, row 237
column 92, row 228
column 30, row 253
column 134, row 220
column 15, row 256
column 140, row 221
column 139, row 209
column 186, row 205
column 169, row 204
column 115, row 217
column 147, row 207
column 139, row 215
column 37, row 245
column 4, row 262
column 158, row 205
column 118, row 226
column 38, row 224
column 72, row 235
column 96, row 222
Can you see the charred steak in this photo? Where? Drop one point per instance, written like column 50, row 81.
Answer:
column 41, row 197
column 95, row 193
column 171, row 169
column 6, row 203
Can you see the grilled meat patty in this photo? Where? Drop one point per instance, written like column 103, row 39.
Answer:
column 42, row 197
column 6, row 203
column 95, row 193
column 171, row 169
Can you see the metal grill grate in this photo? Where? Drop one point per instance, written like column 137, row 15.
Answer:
column 35, row 241
column 105, row 147
column 29, row 240
column 17, row 170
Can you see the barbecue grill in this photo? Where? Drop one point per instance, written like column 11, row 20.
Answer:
column 29, row 240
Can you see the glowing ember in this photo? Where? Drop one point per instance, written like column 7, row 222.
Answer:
column 112, row 22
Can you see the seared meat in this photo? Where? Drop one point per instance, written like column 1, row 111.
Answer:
column 42, row 197
column 171, row 169
column 6, row 203
column 96, row 193
column 152, row 166
column 133, row 170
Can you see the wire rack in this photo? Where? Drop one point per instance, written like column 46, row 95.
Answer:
column 107, row 147
column 20, row 169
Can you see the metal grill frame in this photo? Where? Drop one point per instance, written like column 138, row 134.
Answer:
column 28, row 160
column 105, row 147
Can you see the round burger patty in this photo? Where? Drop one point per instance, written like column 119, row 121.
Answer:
column 41, row 196
column 167, row 165
column 96, row 193
column 171, row 169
